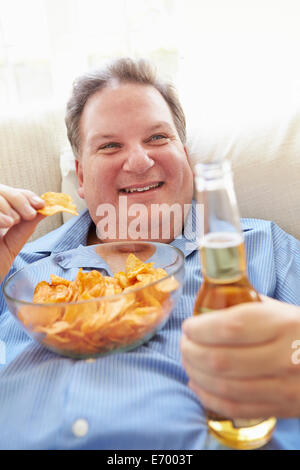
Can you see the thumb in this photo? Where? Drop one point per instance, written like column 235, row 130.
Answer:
column 269, row 300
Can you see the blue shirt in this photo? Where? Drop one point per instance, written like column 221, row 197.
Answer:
column 133, row 400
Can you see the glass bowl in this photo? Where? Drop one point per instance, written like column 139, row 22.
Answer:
column 135, row 305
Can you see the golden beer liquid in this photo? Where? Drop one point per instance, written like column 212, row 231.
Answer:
column 226, row 284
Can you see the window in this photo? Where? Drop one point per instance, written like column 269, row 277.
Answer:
column 228, row 58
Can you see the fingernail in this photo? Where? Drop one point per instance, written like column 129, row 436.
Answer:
column 38, row 200
column 30, row 210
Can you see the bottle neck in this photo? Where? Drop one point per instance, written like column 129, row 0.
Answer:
column 222, row 244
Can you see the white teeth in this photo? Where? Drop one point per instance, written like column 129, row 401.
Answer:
column 146, row 188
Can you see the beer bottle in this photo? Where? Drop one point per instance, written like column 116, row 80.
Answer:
column 225, row 283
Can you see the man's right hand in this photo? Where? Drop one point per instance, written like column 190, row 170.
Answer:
column 18, row 220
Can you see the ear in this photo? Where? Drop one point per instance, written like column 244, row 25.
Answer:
column 79, row 173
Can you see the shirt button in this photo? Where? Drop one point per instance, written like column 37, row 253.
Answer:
column 80, row 427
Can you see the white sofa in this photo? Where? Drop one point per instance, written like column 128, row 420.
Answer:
column 265, row 159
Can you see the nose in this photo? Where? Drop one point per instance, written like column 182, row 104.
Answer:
column 138, row 160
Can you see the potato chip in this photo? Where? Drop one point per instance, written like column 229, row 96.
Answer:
column 79, row 313
column 45, row 293
column 56, row 280
column 57, row 327
column 57, row 202
column 104, row 324
column 135, row 266
column 166, row 286
column 123, row 279
column 42, row 316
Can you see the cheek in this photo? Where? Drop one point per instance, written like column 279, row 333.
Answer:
column 98, row 171
column 180, row 171
column 98, row 182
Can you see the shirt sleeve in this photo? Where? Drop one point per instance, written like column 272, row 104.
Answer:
column 287, row 265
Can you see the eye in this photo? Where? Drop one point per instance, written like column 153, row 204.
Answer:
column 110, row 147
column 158, row 138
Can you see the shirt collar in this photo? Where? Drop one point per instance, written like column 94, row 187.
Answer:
column 77, row 234
column 187, row 240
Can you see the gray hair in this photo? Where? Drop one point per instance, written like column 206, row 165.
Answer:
column 122, row 70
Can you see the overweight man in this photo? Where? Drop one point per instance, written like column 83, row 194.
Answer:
column 127, row 130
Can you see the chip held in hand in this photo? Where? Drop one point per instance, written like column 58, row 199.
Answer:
column 57, row 202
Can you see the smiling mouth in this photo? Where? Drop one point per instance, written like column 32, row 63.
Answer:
column 141, row 189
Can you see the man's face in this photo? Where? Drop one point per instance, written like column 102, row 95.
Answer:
column 131, row 154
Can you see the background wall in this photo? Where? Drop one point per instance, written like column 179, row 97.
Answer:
column 232, row 60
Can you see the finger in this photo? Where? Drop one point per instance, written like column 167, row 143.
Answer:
column 15, row 216
column 9, row 216
column 20, row 203
column 34, row 199
column 7, row 210
column 241, row 324
column 5, row 222
column 239, row 362
column 265, row 298
column 273, row 389
column 233, row 409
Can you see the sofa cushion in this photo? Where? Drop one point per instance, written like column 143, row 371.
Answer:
column 265, row 159
column 69, row 180
column 30, row 145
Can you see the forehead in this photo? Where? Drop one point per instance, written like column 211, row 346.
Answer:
column 119, row 105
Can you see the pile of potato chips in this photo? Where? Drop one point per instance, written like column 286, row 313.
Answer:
column 100, row 325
